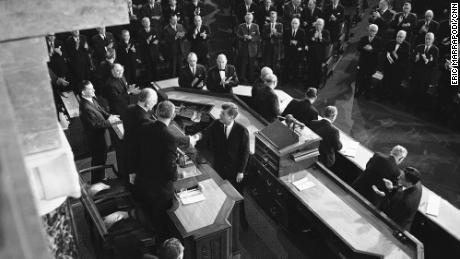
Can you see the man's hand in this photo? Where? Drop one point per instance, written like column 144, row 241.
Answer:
column 62, row 81
column 368, row 47
column 293, row 42
column 417, row 57
column 377, row 191
column 394, row 54
column 389, row 58
column 203, row 35
column 132, row 89
column 400, row 19
column 388, row 184
column 132, row 177
column 113, row 118
column 239, row 177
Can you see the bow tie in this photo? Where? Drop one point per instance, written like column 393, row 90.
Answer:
column 221, row 69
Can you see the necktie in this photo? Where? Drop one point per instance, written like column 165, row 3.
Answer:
column 225, row 131
column 249, row 27
column 396, row 47
column 193, row 70
column 426, row 49
column 273, row 25
column 293, row 34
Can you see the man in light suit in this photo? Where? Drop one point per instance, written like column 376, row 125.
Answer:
column 173, row 40
column 96, row 122
column 272, row 36
column 192, row 75
column 330, row 135
column 222, row 77
column 248, row 35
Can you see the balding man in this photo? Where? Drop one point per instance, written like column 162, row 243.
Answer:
column 395, row 65
column 294, row 47
column 423, row 77
column 135, row 116
column 118, row 90
column 369, row 47
column 424, row 26
column 222, row 77
column 248, row 35
column 329, row 134
column 266, row 101
column 264, row 72
column 192, row 75
column 380, row 166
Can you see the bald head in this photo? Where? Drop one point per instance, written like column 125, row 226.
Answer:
column 429, row 38
column 221, row 61
column 147, row 98
column 117, row 70
column 271, row 81
column 264, row 72
column 401, row 36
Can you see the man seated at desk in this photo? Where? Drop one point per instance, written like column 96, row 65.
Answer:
column 380, row 166
column 330, row 135
column 153, row 185
column 229, row 142
column 222, row 77
column 303, row 110
column 402, row 201
column 192, row 75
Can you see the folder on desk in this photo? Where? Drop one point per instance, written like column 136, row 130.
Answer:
column 303, row 184
column 432, row 208
column 192, row 196
column 350, row 148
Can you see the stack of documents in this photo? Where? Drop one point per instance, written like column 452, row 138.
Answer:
column 191, row 196
column 303, row 184
column 349, row 148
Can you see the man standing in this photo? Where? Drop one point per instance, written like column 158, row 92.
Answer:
column 149, row 42
column 198, row 37
column 118, row 90
column 229, row 142
column 406, row 21
column 101, row 42
column 369, row 48
column 154, row 13
column 136, row 115
column 127, row 56
column 96, row 122
column 248, row 35
column 78, row 59
column 222, row 77
column 303, row 110
column 192, row 75
column 380, row 166
column 294, row 46
column 246, row 7
column 272, row 36
column 318, row 41
column 334, row 15
column 266, row 101
column 173, row 37
column 330, row 135
column 424, row 26
column 157, row 168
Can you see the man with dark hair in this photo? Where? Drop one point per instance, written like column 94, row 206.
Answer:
column 199, row 37
column 173, row 40
column 102, row 41
column 171, row 249
column 153, row 12
column 272, row 36
column 294, row 47
column 157, row 167
column 402, row 201
column 192, row 75
column 149, row 40
column 303, row 109
column 330, row 135
column 96, row 122
column 246, row 7
column 127, row 56
column 406, row 21
column 79, row 62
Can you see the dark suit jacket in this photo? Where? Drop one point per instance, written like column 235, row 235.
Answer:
column 190, row 10
column 403, row 205
column 168, row 12
column 230, row 155
column 133, row 119
column 241, row 11
column 117, row 95
column 198, row 44
column 157, row 163
column 266, row 103
column 100, row 45
column 433, row 27
column 334, row 26
column 330, row 142
column 186, row 77
column 291, row 12
column 368, row 60
column 262, row 15
column 302, row 110
column 248, row 47
column 294, row 50
column 95, row 123
column 403, row 54
column 378, row 167
column 411, row 18
column 272, row 42
column 309, row 17
column 427, row 71
column 127, row 56
column 213, row 82
column 147, row 11
column 78, row 60
column 174, row 47
column 149, row 50
column 317, row 48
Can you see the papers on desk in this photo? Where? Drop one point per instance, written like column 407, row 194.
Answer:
column 303, row 184
column 432, row 208
column 350, row 148
column 191, row 196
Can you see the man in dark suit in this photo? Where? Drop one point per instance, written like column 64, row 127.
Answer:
column 118, row 90
column 294, row 47
column 128, row 56
column 104, row 71
column 222, row 77
column 369, row 48
column 334, row 15
column 406, row 21
column 149, row 40
column 292, row 9
column 310, row 15
column 318, row 42
column 58, row 62
column 192, row 9
column 395, row 65
column 402, row 201
column 96, row 122
column 262, row 15
column 380, row 166
column 266, row 102
column 173, row 40
column 173, row 9
column 303, row 110
column 192, row 75
column 136, row 115
column 100, row 42
column 424, row 26
column 330, row 135
column 424, row 71
column 385, row 13
column 228, row 141
column 76, row 47
column 260, row 82
column 248, row 35
column 153, row 185
column 241, row 10
column 272, row 36
column 154, row 12
column 199, row 37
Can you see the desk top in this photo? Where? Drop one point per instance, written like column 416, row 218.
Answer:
column 71, row 104
column 348, row 218
column 208, row 216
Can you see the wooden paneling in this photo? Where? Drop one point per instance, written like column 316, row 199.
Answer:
column 29, row 18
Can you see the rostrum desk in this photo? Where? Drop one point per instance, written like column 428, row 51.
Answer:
column 348, row 224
